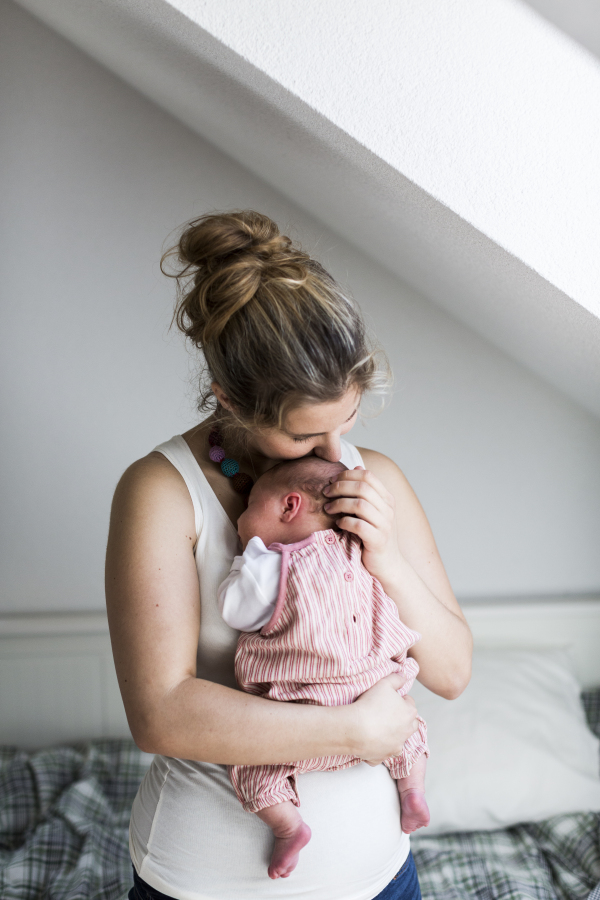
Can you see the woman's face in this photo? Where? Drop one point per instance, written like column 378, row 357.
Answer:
column 311, row 429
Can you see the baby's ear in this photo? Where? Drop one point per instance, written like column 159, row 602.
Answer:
column 292, row 503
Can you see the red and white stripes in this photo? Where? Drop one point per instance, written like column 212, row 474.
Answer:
column 334, row 634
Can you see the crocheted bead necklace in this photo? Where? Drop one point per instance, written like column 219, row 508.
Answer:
column 241, row 482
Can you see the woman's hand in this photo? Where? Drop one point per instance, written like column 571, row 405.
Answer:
column 399, row 550
column 366, row 508
column 385, row 720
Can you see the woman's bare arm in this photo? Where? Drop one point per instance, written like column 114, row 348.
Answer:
column 154, row 614
column 400, row 551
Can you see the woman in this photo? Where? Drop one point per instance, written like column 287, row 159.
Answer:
column 287, row 361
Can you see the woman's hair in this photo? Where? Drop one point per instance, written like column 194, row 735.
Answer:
column 275, row 329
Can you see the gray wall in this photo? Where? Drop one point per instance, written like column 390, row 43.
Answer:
column 95, row 179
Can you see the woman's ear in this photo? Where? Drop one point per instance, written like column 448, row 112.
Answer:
column 291, row 507
column 220, row 395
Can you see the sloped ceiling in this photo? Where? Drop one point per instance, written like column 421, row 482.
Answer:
column 578, row 18
column 456, row 142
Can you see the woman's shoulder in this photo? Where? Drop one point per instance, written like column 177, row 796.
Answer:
column 168, row 466
column 152, row 484
column 151, row 470
column 396, row 482
column 382, row 466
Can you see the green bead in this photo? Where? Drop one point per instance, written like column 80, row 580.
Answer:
column 230, row 467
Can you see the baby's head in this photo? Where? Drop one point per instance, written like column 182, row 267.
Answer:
column 286, row 503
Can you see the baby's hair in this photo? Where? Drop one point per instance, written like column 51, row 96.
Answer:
column 308, row 475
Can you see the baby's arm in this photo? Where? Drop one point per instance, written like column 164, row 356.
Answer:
column 248, row 595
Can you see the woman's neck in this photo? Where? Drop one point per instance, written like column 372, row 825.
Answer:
column 250, row 459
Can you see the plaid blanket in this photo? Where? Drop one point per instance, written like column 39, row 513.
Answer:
column 558, row 859
column 64, row 815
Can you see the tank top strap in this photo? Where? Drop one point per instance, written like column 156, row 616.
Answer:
column 350, row 455
column 179, row 455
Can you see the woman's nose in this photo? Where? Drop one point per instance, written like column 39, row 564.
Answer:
column 329, row 449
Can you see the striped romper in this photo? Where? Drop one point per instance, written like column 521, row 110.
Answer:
column 334, row 633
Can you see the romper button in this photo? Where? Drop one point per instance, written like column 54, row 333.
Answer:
column 330, row 538
column 348, row 576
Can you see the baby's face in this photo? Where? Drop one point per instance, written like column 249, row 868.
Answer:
column 262, row 518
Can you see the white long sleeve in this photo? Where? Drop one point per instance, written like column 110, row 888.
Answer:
column 248, row 595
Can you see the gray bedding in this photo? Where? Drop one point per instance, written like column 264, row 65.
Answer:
column 64, row 814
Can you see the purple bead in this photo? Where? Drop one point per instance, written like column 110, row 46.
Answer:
column 230, row 467
column 217, row 454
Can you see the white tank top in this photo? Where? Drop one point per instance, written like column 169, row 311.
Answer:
column 189, row 836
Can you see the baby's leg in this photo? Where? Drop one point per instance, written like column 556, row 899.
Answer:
column 415, row 812
column 291, row 835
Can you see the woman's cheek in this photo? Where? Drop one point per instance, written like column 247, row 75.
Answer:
column 291, row 450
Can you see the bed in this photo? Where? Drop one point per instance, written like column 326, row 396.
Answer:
column 556, row 859
column 65, row 813
column 64, row 809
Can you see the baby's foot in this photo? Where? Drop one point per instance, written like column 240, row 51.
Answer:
column 291, row 834
column 415, row 812
column 289, row 841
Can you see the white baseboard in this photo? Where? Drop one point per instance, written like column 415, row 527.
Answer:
column 58, row 684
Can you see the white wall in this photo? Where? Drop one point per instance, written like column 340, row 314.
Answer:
column 95, row 179
column 456, row 143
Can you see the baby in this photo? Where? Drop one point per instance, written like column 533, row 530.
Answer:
column 316, row 628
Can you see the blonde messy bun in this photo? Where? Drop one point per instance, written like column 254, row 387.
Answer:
column 274, row 327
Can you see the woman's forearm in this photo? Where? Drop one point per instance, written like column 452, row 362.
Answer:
column 444, row 652
column 208, row 722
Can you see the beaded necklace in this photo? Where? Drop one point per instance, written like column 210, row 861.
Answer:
column 241, row 482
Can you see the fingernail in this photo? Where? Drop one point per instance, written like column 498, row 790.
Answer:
column 327, row 506
column 326, row 489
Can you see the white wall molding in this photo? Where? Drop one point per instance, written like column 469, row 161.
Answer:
column 57, row 679
column 570, row 622
column 43, row 624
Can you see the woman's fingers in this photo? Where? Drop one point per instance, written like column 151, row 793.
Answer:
column 362, row 509
column 362, row 487
column 386, row 720
column 358, row 498
column 368, row 533
column 364, row 476
column 397, row 681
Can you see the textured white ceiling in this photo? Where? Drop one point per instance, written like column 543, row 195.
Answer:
column 483, row 105
column 452, row 141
